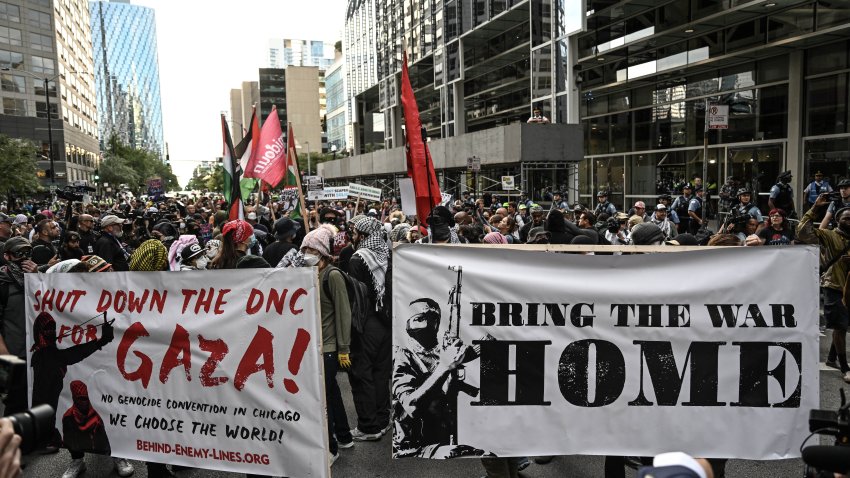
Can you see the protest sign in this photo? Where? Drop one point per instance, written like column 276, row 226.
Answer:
column 578, row 354
column 364, row 192
column 445, row 198
column 408, row 196
column 288, row 199
column 508, row 183
column 328, row 193
column 155, row 190
column 225, row 375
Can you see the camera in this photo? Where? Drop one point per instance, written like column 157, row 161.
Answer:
column 613, row 225
column 35, row 426
column 835, row 196
column 69, row 194
column 829, row 459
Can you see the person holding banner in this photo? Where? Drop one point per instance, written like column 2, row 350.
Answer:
column 371, row 350
column 336, row 331
column 834, row 244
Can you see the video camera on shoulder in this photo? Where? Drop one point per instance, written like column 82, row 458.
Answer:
column 35, row 426
column 74, row 193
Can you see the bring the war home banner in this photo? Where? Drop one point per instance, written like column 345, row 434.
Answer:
column 520, row 353
column 210, row 369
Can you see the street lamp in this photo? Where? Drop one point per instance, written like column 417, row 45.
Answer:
column 46, row 81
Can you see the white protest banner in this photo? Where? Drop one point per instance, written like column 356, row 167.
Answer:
column 329, row 193
column 364, row 192
column 408, row 196
column 226, row 375
column 567, row 354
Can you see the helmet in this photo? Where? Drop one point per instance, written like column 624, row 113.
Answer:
column 843, row 183
column 601, row 193
column 744, row 191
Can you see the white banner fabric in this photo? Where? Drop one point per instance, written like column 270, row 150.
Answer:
column 209, row 369
column 714, row 353
column 364, row 192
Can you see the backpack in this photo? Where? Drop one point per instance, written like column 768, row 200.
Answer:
column 358, row 297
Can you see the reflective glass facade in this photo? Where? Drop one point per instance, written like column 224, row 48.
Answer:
column 647, row 72
column 127, row 74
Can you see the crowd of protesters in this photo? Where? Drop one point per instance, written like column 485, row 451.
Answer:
column 356, row 237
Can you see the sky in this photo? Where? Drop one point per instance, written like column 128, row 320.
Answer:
column 206, row 48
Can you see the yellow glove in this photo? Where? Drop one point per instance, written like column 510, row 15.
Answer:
column 344, row 361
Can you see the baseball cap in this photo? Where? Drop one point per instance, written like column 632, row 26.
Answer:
column 522, row 206
column 190, row 252
column 676, row 465
column 5, row 218
column 640, row 204
column 15, row 244
column 109, row 220
column 660, row 207
column 21, row 219
column 96, row 263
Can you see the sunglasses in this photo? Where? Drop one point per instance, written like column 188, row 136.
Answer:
column 25, row 254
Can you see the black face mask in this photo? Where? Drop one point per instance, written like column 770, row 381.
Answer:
column 426, row 336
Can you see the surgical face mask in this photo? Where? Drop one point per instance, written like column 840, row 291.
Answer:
column 252, row 242
column 311, row 260
column 201, row 262
column 182, row 225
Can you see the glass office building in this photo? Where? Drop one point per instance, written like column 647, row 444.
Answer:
column 647, row 70
column 127, row 74
column 40, row 40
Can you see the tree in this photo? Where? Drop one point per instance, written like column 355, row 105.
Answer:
column 18, row 163
column 215, row 182
column 133, row 166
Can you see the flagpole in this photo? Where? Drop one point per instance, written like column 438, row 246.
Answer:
column 298, row 182
column 428, row 170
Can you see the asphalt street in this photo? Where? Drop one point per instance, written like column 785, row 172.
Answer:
column 372, row 459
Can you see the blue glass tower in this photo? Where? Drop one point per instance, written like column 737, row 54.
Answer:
column 127, row 74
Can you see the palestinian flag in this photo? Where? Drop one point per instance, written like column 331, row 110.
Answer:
column 244, row 150
column 232, row 173
column 293, row 177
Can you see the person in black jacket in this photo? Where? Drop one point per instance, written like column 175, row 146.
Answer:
column 43, row 250
column 371, row 350
column 109, row 245
column 88, row 237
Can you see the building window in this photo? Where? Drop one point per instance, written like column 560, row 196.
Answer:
column 13, row 83
column 39, row 19
column 41, row 110
column 11, row 60
column 10, row 36
column 14, row 106
column 40, row 42
column 42, row 65
column 10, row 13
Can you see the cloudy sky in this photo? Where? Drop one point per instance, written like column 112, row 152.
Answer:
column 206, row 48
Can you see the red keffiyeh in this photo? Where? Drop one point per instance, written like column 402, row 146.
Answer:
column 84, row 415
column 242, row 230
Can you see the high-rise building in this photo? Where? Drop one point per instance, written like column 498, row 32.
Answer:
column 477, row 69
column 295, row 92
column 336, row 118
column 649, row 73
column 285, row 52
column 46, row 58
column 127, row 74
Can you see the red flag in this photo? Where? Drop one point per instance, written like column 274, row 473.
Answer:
column 268, row 159
column 420, row 166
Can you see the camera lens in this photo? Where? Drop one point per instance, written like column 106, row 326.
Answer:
column 35, row 426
